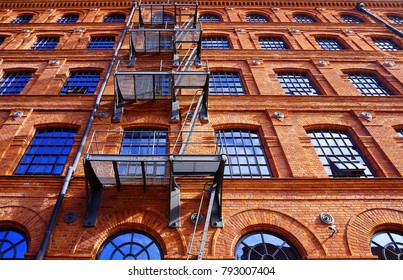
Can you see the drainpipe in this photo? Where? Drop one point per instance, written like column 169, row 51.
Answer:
column 361, row 7
column 46, row 239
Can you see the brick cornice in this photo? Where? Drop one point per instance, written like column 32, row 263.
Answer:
column 13, row 4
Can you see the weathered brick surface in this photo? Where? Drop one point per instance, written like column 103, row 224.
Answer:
column 288, row 204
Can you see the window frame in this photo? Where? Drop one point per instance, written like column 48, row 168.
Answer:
column 95, row 40
column 13, row 245
column 19, row 19
column 256, row 18
column 115, row 236
column 393, row 242
column 278, row 38
column 220, row 89
column 305, row 76
column 158, row 141
column 114, row 18
column 64, row 19
column 365, row 76
column 347, row 18
column 42, row 41
column 306, row 16
column 395, row 19
column 210, row 17
column 44, row 142
column 341, row 146
column 215, row 42
column 82, row 89
column 264, row 235
column 382, row 41
column 328, row 43
column 21, row 88
column 246, row 154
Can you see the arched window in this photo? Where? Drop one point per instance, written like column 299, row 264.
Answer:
column 215, row 42
column 303, row 18
column 256, row 18
column 368, row 84
column 13, row 244
column 161, row 18
column 245, row 155
column 209, row 18
column 350, row 19
column 339, row 154
column 265, row 245
column 69, row 18
column 114, row 18
column 130, row 245
column 295, row 83
column 329, row 44
column 387, row 245
column 272, row 43
column 396, row 19
column 225, row 83
column 143, row 142
column 14, row 82
column 47, row 153
column 81, row 82
column 21, row 19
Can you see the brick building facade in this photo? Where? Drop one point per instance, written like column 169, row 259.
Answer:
column 302, row 100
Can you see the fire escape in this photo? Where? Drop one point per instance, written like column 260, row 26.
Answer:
column 162, row 28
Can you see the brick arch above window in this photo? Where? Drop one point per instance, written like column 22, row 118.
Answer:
column 265, row 219
column 363, row 225
column 92, row 238
column 26, row 220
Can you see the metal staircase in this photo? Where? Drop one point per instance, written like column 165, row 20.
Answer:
column 158, row 33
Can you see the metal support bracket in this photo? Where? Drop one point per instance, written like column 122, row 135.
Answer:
column 174, row 200
column 94, row 190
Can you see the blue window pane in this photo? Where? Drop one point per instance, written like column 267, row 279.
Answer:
column 13, row 244
column 143, row 142
column 225, row 83
column 256, row 18
column 71, row 18
column 2, row 40
column 386, row 44
column 47, row 153
column 351, row 19
column 387, row 245
column 14, row 82
column 296, row 84
column 245, row 153
column 396, row 19
column 45, row 43
column 101, row 43
column 21, row 19
column 81, row 82
column 209, row 18
column 272, row 43
column 338, row 154
column 368, row 85
column 115, row 18
column 215, row 42
column 130, row 245
column 263, row 245
column 303, row 18
column 330, row 44
column 161, row 18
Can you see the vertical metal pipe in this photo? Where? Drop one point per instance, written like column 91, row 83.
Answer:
column 63, row 190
